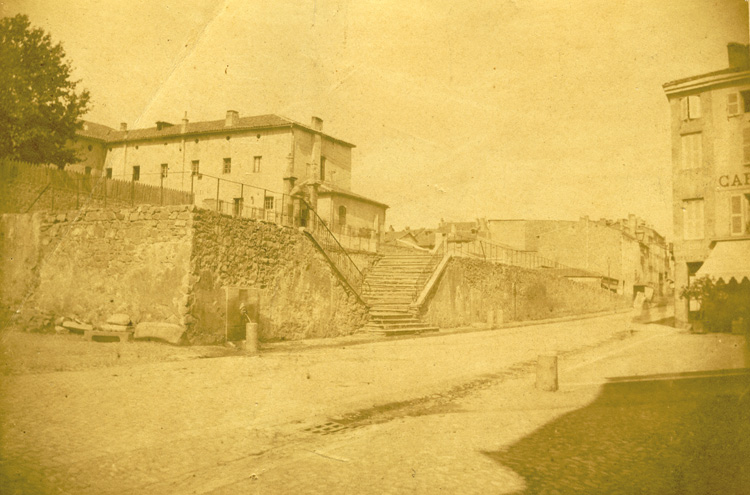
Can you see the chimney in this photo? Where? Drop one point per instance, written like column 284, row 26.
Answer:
column 738, row 55
column 184, row 123
column 632, row 224
column 123, row 126
column 233, row 118
column 317, row 123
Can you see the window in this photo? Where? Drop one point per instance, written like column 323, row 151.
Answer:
column 342, row 215
column 692, row 225
column 738, row 103
column 195, row 167
column 109, row 173
column 739, row 216
column 256, row 164
column 227, row 165
column 238, row 207
column 690, row 107
column 268, row 203
column 164, row 170
column 87, row 171
column 136, row 172
column 692, row 151
column 322, row 168
column 746, row 145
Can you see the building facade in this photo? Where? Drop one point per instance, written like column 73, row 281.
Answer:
column 238, row 165
column 628, row 254
column 710, row 128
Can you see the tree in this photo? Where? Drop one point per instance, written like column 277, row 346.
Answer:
column 39, row 105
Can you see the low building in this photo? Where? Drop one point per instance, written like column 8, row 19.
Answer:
column 710, row 128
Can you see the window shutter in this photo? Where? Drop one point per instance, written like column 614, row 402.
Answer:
column 684, row 108
column 736, row 214
column 733, row 103
column 694, row 107
column 746, row 145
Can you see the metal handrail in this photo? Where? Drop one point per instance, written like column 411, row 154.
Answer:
column 435, row 256
column 336, row 253
column 493, row 252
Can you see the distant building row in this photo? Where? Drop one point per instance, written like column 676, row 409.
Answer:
column 627, row 255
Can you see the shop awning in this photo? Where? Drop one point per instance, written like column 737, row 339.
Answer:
column 728, row 260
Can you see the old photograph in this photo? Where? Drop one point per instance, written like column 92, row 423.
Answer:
column 339, row 247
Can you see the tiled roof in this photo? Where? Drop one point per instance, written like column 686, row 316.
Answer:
column 331, row 190
column 96, row 131
column 209, row 127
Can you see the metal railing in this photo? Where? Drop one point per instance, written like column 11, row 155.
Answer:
column 497, row 253
column 29, row 186
column 317, row 229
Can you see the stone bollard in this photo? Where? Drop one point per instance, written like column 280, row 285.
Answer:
column 490, row 319
column 251, row 338
column 499, row 317
column 546, row 372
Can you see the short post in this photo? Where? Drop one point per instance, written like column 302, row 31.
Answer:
column 546, row 372
column 490, row 319
column 251, row 338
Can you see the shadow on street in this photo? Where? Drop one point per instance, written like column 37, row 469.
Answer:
column 664, row 436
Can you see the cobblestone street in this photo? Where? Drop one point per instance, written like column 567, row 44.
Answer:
column 419, row 415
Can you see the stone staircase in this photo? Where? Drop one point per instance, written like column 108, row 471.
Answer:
column 391, row 286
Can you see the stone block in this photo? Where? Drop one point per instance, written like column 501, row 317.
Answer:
column 167, row 332
column 109, row 327
column 119, row 319
column 77, row 326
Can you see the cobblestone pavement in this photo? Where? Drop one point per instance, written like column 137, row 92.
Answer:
column 390, row 417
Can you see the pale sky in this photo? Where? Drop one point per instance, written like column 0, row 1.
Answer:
column 496, row 109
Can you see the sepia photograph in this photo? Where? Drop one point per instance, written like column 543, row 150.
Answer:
column 375, row 246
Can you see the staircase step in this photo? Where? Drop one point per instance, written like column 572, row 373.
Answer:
column 405, row 331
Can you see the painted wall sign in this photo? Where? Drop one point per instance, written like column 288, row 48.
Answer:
column 735, row 180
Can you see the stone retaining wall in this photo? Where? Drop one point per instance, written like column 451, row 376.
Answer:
column 469, row 289
column 171, row 264
column 101, row 262
column 300, row 296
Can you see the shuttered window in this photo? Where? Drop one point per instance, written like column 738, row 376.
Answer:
column 736, row 215
column 692, row 151
column 692, row 227
column 746, row 145
column 733, row 104
column 690, row 107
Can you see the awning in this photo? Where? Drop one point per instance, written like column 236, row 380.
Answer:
column 728, row 260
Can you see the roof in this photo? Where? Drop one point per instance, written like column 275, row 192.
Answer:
column 269, row 121
column 731, row 75
column 422, row 237
column 728, row 260
column 331, row 190
column 92, row 130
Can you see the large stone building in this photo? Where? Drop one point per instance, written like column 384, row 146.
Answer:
column 239, row 164
column 711, row 174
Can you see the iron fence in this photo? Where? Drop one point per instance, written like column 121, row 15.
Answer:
column 488, row 251
column 335, row 252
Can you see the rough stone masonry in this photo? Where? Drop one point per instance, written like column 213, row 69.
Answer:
column 171, row 264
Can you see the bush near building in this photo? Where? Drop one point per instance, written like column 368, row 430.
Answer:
column 722, row 304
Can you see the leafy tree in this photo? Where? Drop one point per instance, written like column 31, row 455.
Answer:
column 39, row 105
